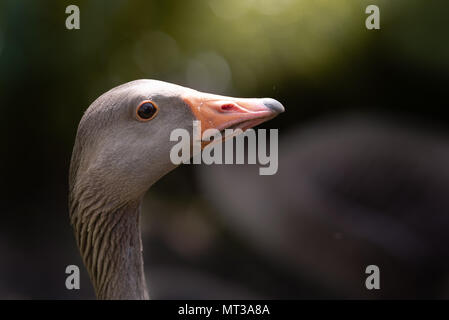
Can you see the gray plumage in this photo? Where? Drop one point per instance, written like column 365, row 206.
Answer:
column 116, row 158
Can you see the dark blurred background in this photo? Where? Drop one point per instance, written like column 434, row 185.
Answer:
column 363, row 157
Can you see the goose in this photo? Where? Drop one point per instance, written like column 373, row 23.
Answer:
column 122, row 147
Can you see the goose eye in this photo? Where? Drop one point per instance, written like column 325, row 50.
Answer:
column 146, row 111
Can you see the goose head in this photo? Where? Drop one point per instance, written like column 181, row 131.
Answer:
column 122, row 147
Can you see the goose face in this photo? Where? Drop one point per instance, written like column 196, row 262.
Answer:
column 123, row 141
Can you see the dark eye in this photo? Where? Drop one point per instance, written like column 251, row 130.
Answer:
column 147, row 110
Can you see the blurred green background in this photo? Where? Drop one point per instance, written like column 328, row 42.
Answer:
column 316, row 57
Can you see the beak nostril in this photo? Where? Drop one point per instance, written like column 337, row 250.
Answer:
column 227, row 106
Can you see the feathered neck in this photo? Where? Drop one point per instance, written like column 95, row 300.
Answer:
column 109, row 240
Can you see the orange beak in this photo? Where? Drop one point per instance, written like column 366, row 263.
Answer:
column 220, row 112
